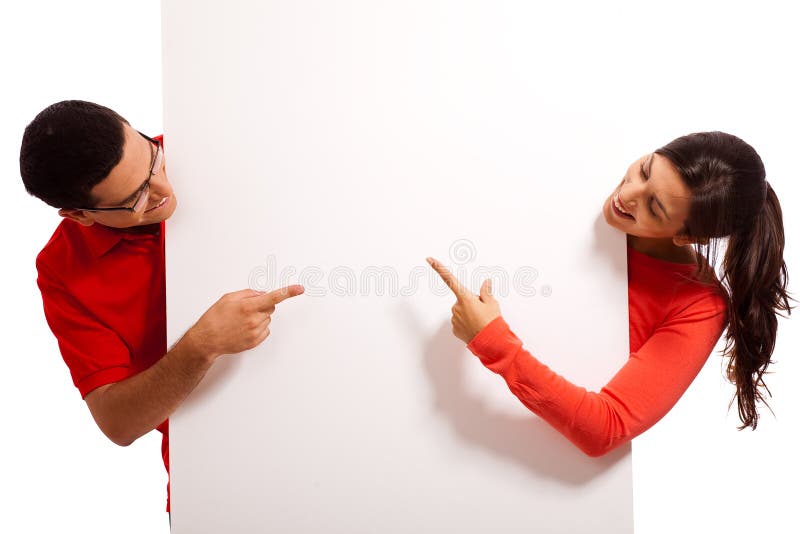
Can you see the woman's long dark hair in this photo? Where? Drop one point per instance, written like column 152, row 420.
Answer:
column 732, row 199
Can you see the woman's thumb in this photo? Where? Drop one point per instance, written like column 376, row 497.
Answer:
column 486, row 290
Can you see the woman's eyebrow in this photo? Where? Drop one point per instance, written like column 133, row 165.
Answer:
column 649, row 170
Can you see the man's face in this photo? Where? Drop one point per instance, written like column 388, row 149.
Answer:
column 123, row 184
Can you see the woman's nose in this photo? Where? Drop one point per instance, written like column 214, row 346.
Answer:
column 629, row 192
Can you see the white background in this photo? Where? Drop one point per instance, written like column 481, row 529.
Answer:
column 58, row 472
column 726, row 66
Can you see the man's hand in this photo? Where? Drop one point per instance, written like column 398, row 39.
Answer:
column 471, row 312
column 132, row 407
column 237, row 322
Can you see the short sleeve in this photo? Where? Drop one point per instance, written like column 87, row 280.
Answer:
column 94, row 354
column 640, row 393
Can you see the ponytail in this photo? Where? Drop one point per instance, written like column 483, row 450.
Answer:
column 756, row 276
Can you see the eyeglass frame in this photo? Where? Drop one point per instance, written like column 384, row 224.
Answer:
column 142, row 188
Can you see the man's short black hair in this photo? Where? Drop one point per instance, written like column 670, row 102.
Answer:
column 67, row 149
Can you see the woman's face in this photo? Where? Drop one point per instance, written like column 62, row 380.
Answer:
column 655, row 197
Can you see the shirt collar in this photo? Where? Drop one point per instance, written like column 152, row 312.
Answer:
column 100, row 238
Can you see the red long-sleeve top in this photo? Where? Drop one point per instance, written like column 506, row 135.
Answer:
column 674, row 325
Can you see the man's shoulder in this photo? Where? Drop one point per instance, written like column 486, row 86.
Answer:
column 56, row 247
column 67, row 249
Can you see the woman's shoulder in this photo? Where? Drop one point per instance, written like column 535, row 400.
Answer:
column 676, row 287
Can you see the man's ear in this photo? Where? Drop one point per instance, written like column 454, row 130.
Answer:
column 682, row 240
column 78, row 216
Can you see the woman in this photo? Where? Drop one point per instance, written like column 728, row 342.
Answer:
column 673, row 205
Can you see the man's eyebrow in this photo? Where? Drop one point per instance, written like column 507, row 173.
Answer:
column 649, row 170
column 131, row 196
column 138, row 189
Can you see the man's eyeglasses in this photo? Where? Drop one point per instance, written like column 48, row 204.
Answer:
column 143, row 193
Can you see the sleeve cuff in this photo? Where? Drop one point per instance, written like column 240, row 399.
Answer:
column 496, row 345
column 484, row 339
column 101, row 378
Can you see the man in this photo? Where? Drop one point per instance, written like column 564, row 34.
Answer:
column 102, row 275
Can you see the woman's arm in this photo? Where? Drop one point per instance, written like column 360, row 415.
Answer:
column 641, row 393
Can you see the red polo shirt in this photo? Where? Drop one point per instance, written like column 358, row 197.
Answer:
column 104, row 296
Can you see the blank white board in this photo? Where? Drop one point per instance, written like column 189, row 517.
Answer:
column 337, row 144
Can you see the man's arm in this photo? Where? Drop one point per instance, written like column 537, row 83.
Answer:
column 130, row 408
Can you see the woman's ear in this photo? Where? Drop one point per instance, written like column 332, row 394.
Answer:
column 78, row 216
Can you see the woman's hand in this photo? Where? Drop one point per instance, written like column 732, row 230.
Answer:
column 471, row 312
